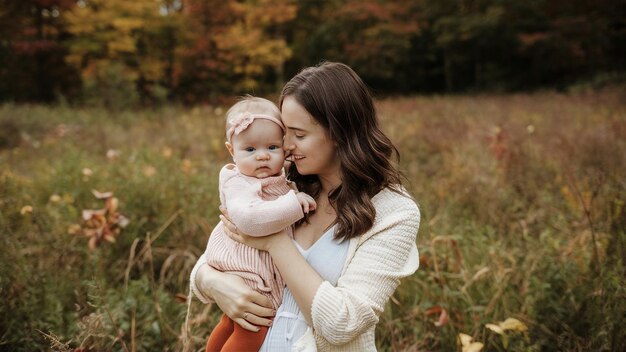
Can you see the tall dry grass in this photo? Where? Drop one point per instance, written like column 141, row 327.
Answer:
column 522, row 198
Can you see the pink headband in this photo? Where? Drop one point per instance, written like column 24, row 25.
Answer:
column 245, row 119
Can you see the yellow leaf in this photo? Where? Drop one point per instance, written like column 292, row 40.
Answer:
column 101, row 195
column 494, row 328
column 465, row 339
column 27, row 209
column 513, row 324
column 473, row 347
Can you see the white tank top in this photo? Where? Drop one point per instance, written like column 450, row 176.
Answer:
column 327, row 256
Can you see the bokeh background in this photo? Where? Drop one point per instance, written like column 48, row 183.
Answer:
column 510, row 118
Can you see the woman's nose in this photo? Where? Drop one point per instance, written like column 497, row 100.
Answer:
column 288, row 146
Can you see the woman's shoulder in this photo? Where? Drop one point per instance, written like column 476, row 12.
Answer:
column 394, row 199
column 395, row 206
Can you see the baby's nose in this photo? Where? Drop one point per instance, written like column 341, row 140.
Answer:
column 262, row 156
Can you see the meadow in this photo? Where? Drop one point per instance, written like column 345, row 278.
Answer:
column 523, row 218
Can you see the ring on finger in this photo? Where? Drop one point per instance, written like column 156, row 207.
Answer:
column 245, row 316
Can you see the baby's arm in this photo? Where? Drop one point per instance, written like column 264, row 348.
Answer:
column 255, row 216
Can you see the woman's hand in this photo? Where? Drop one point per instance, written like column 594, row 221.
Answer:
column 261, row 243
column 237, row 300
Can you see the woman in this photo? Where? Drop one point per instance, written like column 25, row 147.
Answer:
column 347, row 258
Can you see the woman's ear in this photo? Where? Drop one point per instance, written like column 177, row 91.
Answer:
column 230, row 149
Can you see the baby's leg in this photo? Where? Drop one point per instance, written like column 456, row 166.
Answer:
column 222, row 332
column 243, row 340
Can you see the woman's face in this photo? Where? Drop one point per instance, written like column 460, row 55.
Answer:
column 307, row 141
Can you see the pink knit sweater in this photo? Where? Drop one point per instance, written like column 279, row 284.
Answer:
column 258, row 207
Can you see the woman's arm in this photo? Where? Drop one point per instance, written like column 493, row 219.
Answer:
column 232, row 295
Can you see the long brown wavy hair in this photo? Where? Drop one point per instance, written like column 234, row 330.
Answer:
column 340, row 101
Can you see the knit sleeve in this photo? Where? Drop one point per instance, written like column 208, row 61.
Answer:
column 255, row 216
column 342, row 313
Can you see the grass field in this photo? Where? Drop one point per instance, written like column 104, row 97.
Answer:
column 523, row 216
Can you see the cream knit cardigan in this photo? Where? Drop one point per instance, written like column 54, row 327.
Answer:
column 345, row 316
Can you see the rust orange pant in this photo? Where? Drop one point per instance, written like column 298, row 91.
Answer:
column 228, row 336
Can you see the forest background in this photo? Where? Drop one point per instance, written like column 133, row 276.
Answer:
column 510, row 118
column 123, row 53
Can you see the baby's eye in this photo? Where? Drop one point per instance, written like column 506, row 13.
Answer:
column 274, row 147
column 249, row 149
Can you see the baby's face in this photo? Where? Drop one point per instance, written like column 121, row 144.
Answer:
column 258, row 150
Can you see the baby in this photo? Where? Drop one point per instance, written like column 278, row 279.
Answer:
column 260, row 202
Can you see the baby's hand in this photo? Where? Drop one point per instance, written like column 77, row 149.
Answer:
column 306, row 201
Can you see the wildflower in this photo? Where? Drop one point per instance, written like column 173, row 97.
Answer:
column 101, row 224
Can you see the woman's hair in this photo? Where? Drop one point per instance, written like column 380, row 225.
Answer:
column 340, row 101
column 254, row 105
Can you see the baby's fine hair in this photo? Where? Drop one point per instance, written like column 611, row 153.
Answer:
column 254, row 105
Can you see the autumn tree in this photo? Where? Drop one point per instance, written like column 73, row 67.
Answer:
column 31, row 50
column 121, row 52
column 563, row 40
column 117, row 46
column 232, row 47
column 373, row 37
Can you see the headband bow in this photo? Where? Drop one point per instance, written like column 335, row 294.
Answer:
column 240, row 123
